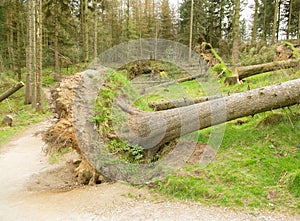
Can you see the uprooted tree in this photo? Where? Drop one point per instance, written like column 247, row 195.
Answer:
column 151, row 130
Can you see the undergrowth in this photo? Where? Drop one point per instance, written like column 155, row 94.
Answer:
column 258, row 164
column 108, row 116
column 24, row 115
column 257, row 55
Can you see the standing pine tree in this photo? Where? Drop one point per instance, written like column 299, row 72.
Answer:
column 291, row 15
column 254, row 26
column 275, row 21
column 39, row 103
column 191, row 29
column 236, row 32
column 166, row 22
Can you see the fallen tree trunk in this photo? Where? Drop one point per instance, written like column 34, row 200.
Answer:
column 170, row 104
column 248, row 71
column 11, row 91
column 168, row 83
column 152, row 130
column 190, row 78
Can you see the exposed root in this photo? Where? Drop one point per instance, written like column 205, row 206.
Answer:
column 61, row 134
column 87, row 175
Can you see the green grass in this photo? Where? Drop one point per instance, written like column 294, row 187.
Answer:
column 21, row 123
column 256, row 168
column 24, row 115
column 193, row 89
column 258, row 164
column 189, row 89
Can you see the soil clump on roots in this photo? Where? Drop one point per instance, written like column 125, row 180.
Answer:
column 61, row 136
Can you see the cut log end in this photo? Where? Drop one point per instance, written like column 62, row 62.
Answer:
column 232, row 80
column 7, row 121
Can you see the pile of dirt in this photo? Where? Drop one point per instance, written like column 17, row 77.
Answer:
column 283, row 52
column 69, row 173
column 141, row 67
column 287, row 51
column 271, row 120
column 203, row 154
column 61, row 134
column 205, row 51
column 59, row 177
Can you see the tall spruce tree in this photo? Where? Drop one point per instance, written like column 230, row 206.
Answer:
column 236, row 32
column 166, row 30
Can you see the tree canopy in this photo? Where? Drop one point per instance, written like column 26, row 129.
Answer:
column 76, row 31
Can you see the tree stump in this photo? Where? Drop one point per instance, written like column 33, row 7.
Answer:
column 7, row 121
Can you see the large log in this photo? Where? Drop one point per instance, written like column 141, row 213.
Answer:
column 11, row 91
column 152, row 130
column 170, row 104
column 248, row 71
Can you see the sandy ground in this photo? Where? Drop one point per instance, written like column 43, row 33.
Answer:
column 31, row 189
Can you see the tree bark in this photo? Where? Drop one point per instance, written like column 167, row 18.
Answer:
column 191, row 29
column 86, row 33
column 298, row 25
column 39, row 103
column 248, row 71
column 264, row 28
column 254, row 28
column 95, row 4
column 29, row 52
column 34, row 53
column 56, row 43
column 288, row 31
column 19, row 41
column 166, row 105
column 11, row 91
column 152, row 130
column 84, row 29
column 1, row 63
column 275, row 22
column 236, row 32
column 10, row 40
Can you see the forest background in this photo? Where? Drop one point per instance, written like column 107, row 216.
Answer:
column 61, row 33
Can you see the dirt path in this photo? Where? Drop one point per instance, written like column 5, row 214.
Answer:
column 31, row 189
